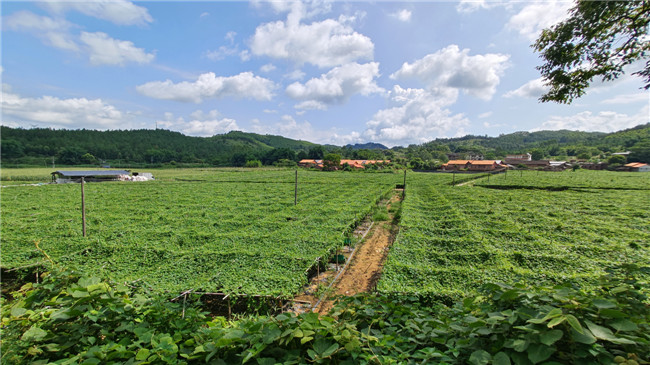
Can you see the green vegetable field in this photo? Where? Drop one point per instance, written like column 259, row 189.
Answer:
column 530, row 227
column 233, row 231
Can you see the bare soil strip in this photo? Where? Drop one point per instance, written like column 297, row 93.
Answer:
column 364, row 270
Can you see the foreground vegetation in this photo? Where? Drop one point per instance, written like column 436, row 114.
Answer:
column 69, row 319
column 548, row 227
column 526, row 268
column 228, row 231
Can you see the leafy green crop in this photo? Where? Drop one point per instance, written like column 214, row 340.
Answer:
column 231, row 231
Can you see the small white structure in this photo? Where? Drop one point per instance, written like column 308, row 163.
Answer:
column 63, row 177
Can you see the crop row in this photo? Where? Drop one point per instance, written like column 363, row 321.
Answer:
column 233, row 235
column 452, row 239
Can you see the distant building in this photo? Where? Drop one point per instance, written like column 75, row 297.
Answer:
column 63, row 177
column 515, row 159
column 638, row 167
column 621, row 153
column 355, row 164
column 473, row 165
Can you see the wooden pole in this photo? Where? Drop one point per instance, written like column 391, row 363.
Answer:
column 83, row 208
column 295, row 191
column 453, row 181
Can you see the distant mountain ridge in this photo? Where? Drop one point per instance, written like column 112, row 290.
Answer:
column 366, row 146
column 33, row 146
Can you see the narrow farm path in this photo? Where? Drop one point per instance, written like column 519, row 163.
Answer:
column 365, row 268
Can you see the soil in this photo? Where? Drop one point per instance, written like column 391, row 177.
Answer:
column 365, row 268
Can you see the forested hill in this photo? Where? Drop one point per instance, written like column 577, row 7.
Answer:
column 70, row 147
column 145, row 146
column 547, row 144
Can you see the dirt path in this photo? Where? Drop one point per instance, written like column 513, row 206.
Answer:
column 365, row 268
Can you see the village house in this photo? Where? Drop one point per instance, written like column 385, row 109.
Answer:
column 355, row 164
column 518, row 158
column 638, row 167
column 472, row 165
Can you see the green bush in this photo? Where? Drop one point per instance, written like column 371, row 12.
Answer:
column 68, row 319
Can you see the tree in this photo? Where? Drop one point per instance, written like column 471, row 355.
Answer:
column 617, row 159
column 331, row 161
column 537, row 154
column 598, row 39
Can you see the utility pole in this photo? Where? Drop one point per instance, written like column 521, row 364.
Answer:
column 83, row 208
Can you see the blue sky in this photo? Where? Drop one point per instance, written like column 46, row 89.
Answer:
column 328, row 72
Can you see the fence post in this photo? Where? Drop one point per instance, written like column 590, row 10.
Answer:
column 83, row 208
column 295, row 191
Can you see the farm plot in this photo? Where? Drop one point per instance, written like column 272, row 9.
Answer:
column 226, row 232
column 453, row 239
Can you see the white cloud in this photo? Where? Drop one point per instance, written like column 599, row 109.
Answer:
column 221, row 53
column 53, row 32
column 100, row 48
column 605, row 121
column 419, row 117
column 532, row 89
column 119, row 12
column 200, row 124
column 104, row 50
column 62, row 113
column 289, row 127
column 230, row 36
column 452, row 68
column 267, row 68
column 469, row 6
column 295, row 75
column 536, row 16
column 311, row 105
column 485, row 115
column 337, row 85
column 208, row 85
column 629, row 98
column 403, row 15
column 326, row 43
column 204, row 14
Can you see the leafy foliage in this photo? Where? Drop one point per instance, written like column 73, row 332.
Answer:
column 599, row 39
column 71, row 319
column 234, row 231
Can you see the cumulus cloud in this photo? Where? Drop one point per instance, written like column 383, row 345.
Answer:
column 629, row 98
column 403, row 15
column 485, row 115
column 452, row 68
column 61, row 113
column 267, row 68
column 52, row 32
column 289, row 127
column 532, row 89
column 120, row 12
column 326, row 43
column 199, row 124
column 536, row 16
column 208, row 85
column 100, row 48
column 104, row 50
column 419, row 116
column 336, row 86
column 605, row 121
column 469, row 6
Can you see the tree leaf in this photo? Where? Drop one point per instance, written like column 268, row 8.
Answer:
column 550, row 337
column 555, row 321
column 604, row 333
column 480, row 357
column 142, row 354
column 574, row 323
column 34, row 334
column 501, row 358
column 539, row 352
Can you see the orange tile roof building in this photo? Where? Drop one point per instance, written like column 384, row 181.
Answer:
column 473, row 165
column 355, row 164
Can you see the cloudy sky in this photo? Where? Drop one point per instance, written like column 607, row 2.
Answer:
column 328, row 72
